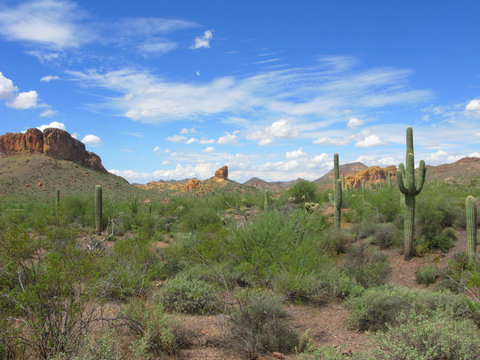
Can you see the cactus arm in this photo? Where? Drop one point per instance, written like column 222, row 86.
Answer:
column 400, row 179
column 409, row 141
column 422, row 170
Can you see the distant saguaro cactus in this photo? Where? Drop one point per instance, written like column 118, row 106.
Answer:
column 266, row 201
column 389, row 178
column 98, row 209
column 336, row 199
column 471, row 221
column 57, row 200
column 410, row 188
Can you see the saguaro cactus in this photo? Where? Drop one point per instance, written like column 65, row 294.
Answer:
column 336, row 199
column 57, row 200
column 410, row 188
column 389, row 178
column 98, row 208
column 471, row 220
column 266, row 202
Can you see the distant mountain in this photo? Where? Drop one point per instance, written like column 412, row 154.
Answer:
column 461, row 171
column 270, row 185
column 345, row 169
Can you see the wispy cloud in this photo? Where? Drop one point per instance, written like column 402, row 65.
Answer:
column 323, row 91
column 54, row 23
column 49, row 78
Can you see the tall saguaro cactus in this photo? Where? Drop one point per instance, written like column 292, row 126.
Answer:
column 266, row 201
column 98, row 208
column 471, row 220
column 336, row 200
column 410, row 188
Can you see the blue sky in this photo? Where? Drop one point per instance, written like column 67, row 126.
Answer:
column 176, row 89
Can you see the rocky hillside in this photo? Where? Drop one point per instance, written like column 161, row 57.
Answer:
column 461, row 171
column 345, row 169
column 270, row 185
column 54, row 143
column 218, row 182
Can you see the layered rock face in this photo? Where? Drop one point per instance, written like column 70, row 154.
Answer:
column 52, row 142
column 373, row 174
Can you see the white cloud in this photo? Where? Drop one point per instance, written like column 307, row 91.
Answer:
column 191, row 141
column 197, row 73
column 369, row 141
column 209, row 149
column 473, row 106
column 441, row 157
column 92, row 140
column 157, row 149
column 322, row 91
column 24, row 100
column 49, row 78
column 184, row 131
column 6, row 87
column 47, row 22
column 281, row 129
column 53, row 124
column 206, row 141
column 294, row 154
column 204, row 41
column 353, row 123
column 228, row 138
column 333, row 141
column 48, row 113
column 74, row 135
column 176, row 138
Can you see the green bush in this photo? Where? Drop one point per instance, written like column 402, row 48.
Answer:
column 386, row 235
column 427, row 275
column 304, row 191
column 258, row 325
column 423, row 337
column 367, row 266
column 190, row 295
column 381, row 307
column 156, row 332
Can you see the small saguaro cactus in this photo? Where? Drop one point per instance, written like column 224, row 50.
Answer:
column 98, row 209
column 344, row 184
column 389, row 178
column 410, row 189
column 266, row 202
column 336, row 199
column 57, row 200
column 134, row 206
column 471, row 221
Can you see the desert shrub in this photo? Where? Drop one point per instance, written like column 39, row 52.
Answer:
column 190, row 295
column 427, row 275
column 199, row 217
column 258, row 325
column 129, row 270
column 316, row 288
column 435, row 212
column 423, row 337
column 380, row 307
column 155, row 331
column 363, row 230
column 331, row 353
column 304, row 191
column 385, row 235
column 367, row 266
column 338, row 240
column 381, row 205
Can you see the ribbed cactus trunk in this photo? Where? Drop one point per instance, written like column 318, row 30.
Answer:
column 266, row 201
column 98, row 209
column 410, row 189
column 337, row 208
column 471, row 220
column 57, row 201
column 150, row 209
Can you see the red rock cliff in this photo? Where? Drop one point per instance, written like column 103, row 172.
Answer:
column 52, row 142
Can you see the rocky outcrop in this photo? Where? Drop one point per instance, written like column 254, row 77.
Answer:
column 371, row 175
column 222, row 173
column 192, row 184
column 52, row 142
